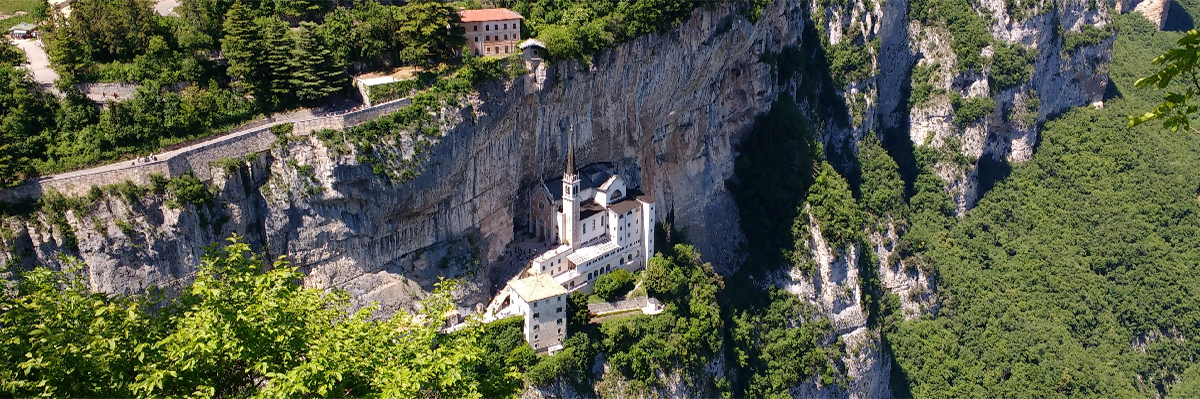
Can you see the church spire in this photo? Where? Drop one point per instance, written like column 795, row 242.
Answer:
column 570, row 171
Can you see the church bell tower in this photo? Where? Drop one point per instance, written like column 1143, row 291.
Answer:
column 570, row 196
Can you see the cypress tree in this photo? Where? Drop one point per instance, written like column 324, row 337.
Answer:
column 240, row 47
column 314, row 74
column 277, row 46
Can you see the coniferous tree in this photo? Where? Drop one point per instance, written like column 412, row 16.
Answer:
column 315, row 75
column 240, row 47
column 277, row 47
column 429, row 29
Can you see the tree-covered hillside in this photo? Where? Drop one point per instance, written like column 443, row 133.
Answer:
column 1076, row 274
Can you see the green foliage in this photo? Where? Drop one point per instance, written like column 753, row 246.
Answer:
column 613, row 284
column 158, row 184
column 968, row 111
column 10, row 55
column 1069, row 277
column 25, row 110
column 361, row 34
column 429, row 30
column 62, row 340
column 850, row 60
column 781, row 346
column 1188, row 385
column 391, row 91
column 574, row 29
column 686, row 334
column 1176, row 109
column 241, row 329
column 578, row 310
column 127, row 191
column 922, row 84
column 1012, row 66
column 125, row 227
column 882, row 189
column 1031, row 108
column 188, row 189
column 1088, row 36
column 833, row 209
column 964, row 23
column 313, row 75
column 110, row 30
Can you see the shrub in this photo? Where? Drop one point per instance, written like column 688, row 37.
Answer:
column 125, row 227
column 1087, row 36
column 188, row 189
column 971, row 110
column 922, row 84
column 965, row 25
column 610, row 284
column 128, row 191
column 848, row 61
column 158, row 183
column 1012, row 65
column 390, row 91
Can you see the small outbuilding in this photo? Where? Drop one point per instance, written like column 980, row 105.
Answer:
column 532, row 49
column 23, row 30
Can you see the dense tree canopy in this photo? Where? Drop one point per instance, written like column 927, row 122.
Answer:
column 242, row 328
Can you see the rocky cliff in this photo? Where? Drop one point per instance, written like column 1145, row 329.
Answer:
column 669, row 110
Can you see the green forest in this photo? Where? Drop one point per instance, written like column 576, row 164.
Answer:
column 1072, row 275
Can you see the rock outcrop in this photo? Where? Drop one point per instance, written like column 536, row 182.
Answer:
column 667, row 109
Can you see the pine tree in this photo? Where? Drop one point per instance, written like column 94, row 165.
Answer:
column 314, row 74
column 240, row 47
column 277, row 46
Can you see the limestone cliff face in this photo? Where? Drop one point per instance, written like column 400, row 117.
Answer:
column 666, row 108
column 882, row 101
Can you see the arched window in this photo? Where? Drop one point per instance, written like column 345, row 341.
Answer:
column 617, row 194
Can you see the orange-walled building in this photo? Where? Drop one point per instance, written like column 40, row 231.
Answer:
column 494, row 31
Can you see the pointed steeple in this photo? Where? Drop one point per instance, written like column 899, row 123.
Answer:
column 570, row 171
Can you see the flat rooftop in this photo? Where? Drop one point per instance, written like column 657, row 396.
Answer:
column 537, row 287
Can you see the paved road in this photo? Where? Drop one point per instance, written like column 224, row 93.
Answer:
column 39, row 62
column 163, row 157
column 164, row 7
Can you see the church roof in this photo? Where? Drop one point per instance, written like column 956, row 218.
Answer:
column 609, row 182
column 589, row 208
column 537, row 287
column 590, row 176
column 624, row 206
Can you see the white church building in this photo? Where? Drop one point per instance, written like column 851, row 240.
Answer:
column 602, row 225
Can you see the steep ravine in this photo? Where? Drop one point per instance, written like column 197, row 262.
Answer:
column 668, row 109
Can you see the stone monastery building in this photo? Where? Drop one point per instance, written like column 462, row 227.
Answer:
column 492, row 31
column 602, row 224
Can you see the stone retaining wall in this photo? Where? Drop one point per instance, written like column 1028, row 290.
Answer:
column 198, row 159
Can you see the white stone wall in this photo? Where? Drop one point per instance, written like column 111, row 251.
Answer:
column 546, row 322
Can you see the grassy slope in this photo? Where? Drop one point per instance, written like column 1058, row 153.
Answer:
column 11, row 6
column 1089, row 245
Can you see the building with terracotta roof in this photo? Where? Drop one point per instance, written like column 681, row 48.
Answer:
column 492, row 31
